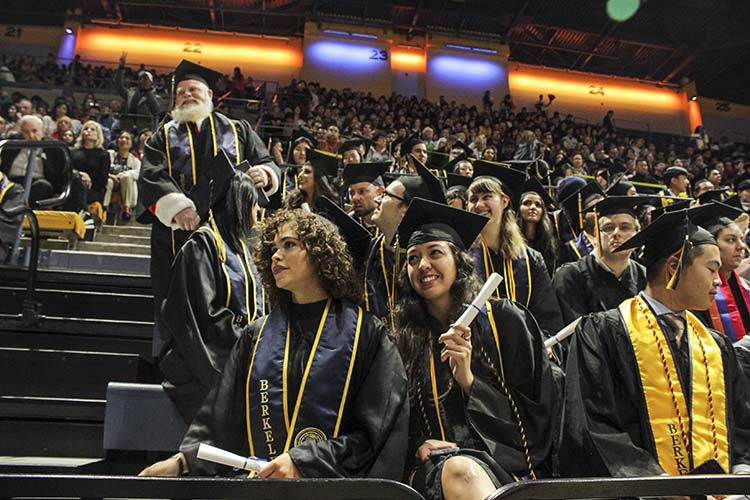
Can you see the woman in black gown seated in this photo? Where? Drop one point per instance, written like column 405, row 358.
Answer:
column 482, row 398
column 317, row 387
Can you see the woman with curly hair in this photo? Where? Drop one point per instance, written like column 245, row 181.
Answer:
column 502, row 249
column 535, row 223
column 316, row 387
column 482, row 397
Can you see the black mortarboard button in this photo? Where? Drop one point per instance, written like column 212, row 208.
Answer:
column 532, row 185
column 424, row 185
column 188, row 70
column 327, row 162
column 426, row 221
column 512, row 179
column 354, row 173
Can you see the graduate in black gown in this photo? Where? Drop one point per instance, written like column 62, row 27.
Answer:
column 501, row 247
column 650, row 390
column 582, row 222
column 317, row 365
column 601, row 280
column 214, row 292
column 482, row 397
column 384, row 261
column 176, row 157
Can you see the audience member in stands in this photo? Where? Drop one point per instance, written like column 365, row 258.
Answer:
column 481, row 407
column 140, row 147
column 501, row 248
column 140, row 103
column 351, row 411
column 91, row 161
column 123, row 174
column 379, row 150
column 194, row 136
column 652, row 353
column 48, row 177
column 602, row 280
column 214, row 292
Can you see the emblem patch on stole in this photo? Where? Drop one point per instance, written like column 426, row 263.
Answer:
column 309, row 434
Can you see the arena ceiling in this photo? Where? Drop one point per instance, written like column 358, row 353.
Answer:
column 669, row 41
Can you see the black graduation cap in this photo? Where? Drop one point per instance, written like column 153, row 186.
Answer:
column 744, row 184
column 740, row 180
column 188, row 70
column 451, row 165
column 677, row 205
column 713, row 195
column 301, row 135
column 569, row 185
column 619, row 188
column 427, row 221
column 389, row 177
column 350, row 144
column 577, row 201
column 714, row 213
column 734, row 201
column 357, row 237
column 532, row 184
column 671, row 233
column 466, row 149
column 513, row 180
column 408, row 143
column 364, row 172
column 437, row 159
column 423, row 185
column 458, row 180
column 612, row 205
column 327, row 162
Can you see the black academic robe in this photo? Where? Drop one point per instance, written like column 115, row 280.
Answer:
column 585, row 287
column 154, row 182
column 606, row 426
column 563, row 228
column 484, row 419
column 197, row 327
column 538, row 296
column 379, row 274
column 11, row 196
column 373, row 437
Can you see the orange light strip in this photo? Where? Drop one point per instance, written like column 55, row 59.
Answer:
column 410, row 60
column 580, row 87
column 205, row 48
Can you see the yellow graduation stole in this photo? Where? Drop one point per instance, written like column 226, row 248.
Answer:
column 677, row 432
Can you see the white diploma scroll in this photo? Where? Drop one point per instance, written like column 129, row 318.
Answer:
column 493, row 281
column 562, row 334
column 214, row 454
column 306, row 207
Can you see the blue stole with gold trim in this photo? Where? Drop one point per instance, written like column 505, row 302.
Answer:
column 516, row 283
column 581, row 246
column 239, row 302
column 275, row 422
column 183, row 166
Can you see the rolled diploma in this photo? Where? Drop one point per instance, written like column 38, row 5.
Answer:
column 493, row 281
column 562, row 334
column 306, row 208
column 214, row 454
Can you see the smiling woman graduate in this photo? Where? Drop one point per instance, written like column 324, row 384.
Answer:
column 317, row 386
column 482, row 397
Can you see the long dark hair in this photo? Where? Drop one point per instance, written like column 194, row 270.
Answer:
column 233, row 216
column 411, row 316
column 322, row 187
column 544, row 240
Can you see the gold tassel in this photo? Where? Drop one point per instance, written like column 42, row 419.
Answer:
column 580, row 212
column 219, row 241
column 597, row 234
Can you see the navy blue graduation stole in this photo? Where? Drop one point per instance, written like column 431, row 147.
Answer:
column 378, row 277
column 581, row 246
column 245, row 290
column 517, row 279
column 273, row 425
column 180, row 148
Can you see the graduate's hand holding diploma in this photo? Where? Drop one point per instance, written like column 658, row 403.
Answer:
column 281, row 467
column 457, row 351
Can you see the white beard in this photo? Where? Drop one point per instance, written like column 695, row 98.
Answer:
column 193, row 113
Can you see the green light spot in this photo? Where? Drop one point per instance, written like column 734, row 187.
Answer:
column 622, row 10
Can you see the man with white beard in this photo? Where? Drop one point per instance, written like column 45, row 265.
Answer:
column 175, row 159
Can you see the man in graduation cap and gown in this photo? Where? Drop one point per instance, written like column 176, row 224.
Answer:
column 649, row 389
column 602, row 280
column 384, row 262
column 214, row 289
column 364, row 185
column 412, row 147
column 582, row 222
column 176, row 157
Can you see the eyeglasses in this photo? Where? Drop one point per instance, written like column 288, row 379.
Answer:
column 610, row 228
column 386, row 193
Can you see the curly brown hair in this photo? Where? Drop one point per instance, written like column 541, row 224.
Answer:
column 325, row 246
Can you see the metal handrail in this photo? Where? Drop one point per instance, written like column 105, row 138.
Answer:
column 559, row 489
column 37, row 485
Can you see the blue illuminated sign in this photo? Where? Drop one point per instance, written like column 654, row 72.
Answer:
column 351, row 57
column 466, row 72
column 67, row 48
